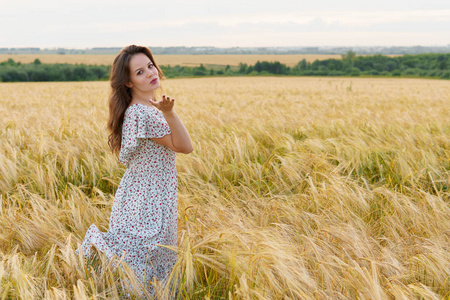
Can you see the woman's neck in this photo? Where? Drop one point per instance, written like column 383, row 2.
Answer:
column 141, row 98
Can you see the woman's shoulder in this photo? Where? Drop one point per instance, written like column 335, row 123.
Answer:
column 143, row 114
column 133, row 109
column 139, row 109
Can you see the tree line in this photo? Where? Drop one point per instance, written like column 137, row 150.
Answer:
column 11, row 71
column 422, row 65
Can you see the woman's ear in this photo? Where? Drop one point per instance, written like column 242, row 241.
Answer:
column 129, row 85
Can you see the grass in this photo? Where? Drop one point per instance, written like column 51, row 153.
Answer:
column 298, row 188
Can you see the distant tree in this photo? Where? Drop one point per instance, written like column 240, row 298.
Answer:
column 200, row 71
column 355, row 72
column 39, row 75
column 390, row 66
column 202, row 68
column 98, row 72
column 315, row 65
column 348, row 59
column 303, row 65
column 80, row 73
column 258, row 66
column 300, row 67
column 243, row 68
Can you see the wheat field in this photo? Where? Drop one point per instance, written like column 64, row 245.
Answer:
column 298, row 188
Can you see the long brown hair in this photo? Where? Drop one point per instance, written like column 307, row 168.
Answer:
column 120, row 95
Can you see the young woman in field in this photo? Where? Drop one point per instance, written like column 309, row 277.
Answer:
column 146, row 133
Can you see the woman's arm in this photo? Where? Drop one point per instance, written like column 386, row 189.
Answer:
column 179, row 140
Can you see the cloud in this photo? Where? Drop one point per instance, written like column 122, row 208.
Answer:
column 314, row 19
column 350, row 18
column 435, row 21
column 226, row 24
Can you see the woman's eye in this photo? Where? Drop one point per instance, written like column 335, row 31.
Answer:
column 150, row 66
column 139, row 72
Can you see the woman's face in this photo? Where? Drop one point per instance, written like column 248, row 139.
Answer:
column 144, row 77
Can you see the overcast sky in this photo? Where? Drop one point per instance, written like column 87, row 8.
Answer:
column 232, row 23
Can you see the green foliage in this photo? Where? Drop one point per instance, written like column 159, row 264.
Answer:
column 396, row 72
column 355, row 72
column 423, row 65
column 10, row 71
column 348, row 59
column 242, row 68
column 200, row 71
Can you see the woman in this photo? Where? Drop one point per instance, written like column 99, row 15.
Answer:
column 146, row 133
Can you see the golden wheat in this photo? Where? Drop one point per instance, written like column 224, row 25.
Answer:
column 298, row 188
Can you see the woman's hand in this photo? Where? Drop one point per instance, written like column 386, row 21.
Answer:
column 164, row 105
column 178, row 140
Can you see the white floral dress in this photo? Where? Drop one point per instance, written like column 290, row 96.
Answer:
column 144, row 212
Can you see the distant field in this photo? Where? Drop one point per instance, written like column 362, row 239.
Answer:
column 182, row 60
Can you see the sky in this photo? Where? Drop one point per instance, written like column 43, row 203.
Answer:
column 234, row 23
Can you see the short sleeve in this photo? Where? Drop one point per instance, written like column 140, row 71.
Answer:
column 140, row 123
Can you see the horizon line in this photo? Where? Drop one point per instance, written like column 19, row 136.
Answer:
column 229, row 47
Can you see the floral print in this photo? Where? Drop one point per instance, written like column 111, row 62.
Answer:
column 144, row 212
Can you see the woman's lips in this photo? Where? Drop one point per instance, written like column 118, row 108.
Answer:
column 154, row 81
